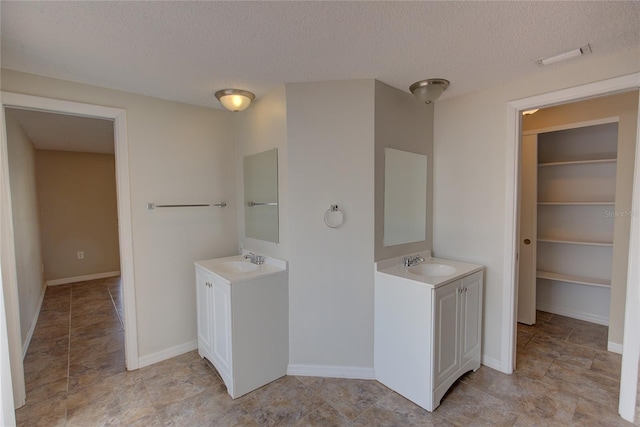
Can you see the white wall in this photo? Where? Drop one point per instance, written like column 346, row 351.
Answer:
column 24, row 204
column 177, row 154
column 470, row 138
column 330, row 132
column 259, row 128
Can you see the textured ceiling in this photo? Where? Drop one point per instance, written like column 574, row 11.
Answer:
column 185, row 51
column 49, row 131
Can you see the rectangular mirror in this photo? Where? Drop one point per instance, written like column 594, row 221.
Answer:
column 405, row 197
column 261, row 196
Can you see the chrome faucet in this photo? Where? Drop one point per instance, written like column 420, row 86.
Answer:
column 410, row 261
column 255, row 259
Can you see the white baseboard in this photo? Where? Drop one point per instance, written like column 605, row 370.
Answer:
column 150, row 359
column 351, row 372
column 614, row 347
column 492, row 363
column 34, row 321
column 84, row 278
column 587, row 317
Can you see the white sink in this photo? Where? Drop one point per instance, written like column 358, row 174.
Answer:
column 236, row 267
column 433, row 269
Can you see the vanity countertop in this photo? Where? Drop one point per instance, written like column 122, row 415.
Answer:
column 395, row 268
column 270, row 267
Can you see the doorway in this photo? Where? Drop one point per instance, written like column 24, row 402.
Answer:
column 575, row 198
column 631, row 341
column 118, row 118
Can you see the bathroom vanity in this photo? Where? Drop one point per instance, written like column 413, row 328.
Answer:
column 428, row 323
column 243, row 320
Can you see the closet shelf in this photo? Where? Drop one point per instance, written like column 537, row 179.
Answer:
column 573, row 242
column 576, row 203
column 577, row 162
column 569, row 278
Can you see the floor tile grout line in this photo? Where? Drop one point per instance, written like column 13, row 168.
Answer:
column 114, row 306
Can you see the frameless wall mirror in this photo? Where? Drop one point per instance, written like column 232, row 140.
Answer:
column 405, row 197
column 261, row 196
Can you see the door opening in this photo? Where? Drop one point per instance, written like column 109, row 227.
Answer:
column 631, row 342
column 118, row 118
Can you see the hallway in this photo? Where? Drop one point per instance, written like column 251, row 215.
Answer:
column 78, row 341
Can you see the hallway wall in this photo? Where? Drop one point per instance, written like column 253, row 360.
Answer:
column 26, row 228
column 78, row 212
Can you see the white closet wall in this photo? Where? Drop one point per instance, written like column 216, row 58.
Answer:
column 576, row 210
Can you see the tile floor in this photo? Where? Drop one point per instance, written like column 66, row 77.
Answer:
column 75, row 376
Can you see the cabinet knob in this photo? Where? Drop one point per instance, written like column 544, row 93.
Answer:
column 527, row 241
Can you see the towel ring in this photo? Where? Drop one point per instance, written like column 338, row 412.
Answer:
column 337, row 214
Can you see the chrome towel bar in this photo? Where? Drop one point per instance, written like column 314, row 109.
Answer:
column 151, row 206
column 262, row 204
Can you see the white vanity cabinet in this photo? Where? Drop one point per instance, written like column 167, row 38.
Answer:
column 457, row 321
column 214, row 321
column 242, row 321
column 426, row 334
column 204, row 297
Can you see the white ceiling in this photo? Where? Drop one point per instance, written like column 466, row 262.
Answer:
column 185, row 51
column 49, row 131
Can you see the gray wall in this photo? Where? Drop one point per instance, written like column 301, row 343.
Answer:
column 402, row 123
column 330, row 131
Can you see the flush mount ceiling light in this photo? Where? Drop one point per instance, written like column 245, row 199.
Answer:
column 235, row 99
column 428, row 90
column 529, row 112
column 584, row 50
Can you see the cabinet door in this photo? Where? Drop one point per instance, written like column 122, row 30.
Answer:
column 470, row 317
column 204, row 307
column 446, row 328
column 222, row 326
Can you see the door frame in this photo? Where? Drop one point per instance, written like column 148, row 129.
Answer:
column 121, row 146
column 631, row 344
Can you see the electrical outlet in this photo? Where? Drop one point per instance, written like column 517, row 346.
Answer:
column 80, row 254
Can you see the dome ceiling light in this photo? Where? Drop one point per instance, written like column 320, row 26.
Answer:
column 235, row 99
column 429, row 90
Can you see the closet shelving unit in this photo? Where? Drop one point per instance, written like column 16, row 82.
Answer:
column 576, row 201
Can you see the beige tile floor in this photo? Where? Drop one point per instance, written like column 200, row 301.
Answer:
column 75, row 376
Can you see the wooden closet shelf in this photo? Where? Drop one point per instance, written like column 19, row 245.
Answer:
column 573, row 242
column 577, row 162
column 577, row 203
column 569, row 278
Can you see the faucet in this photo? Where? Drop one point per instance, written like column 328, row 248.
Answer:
column 255, row 259
column 410, row 261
